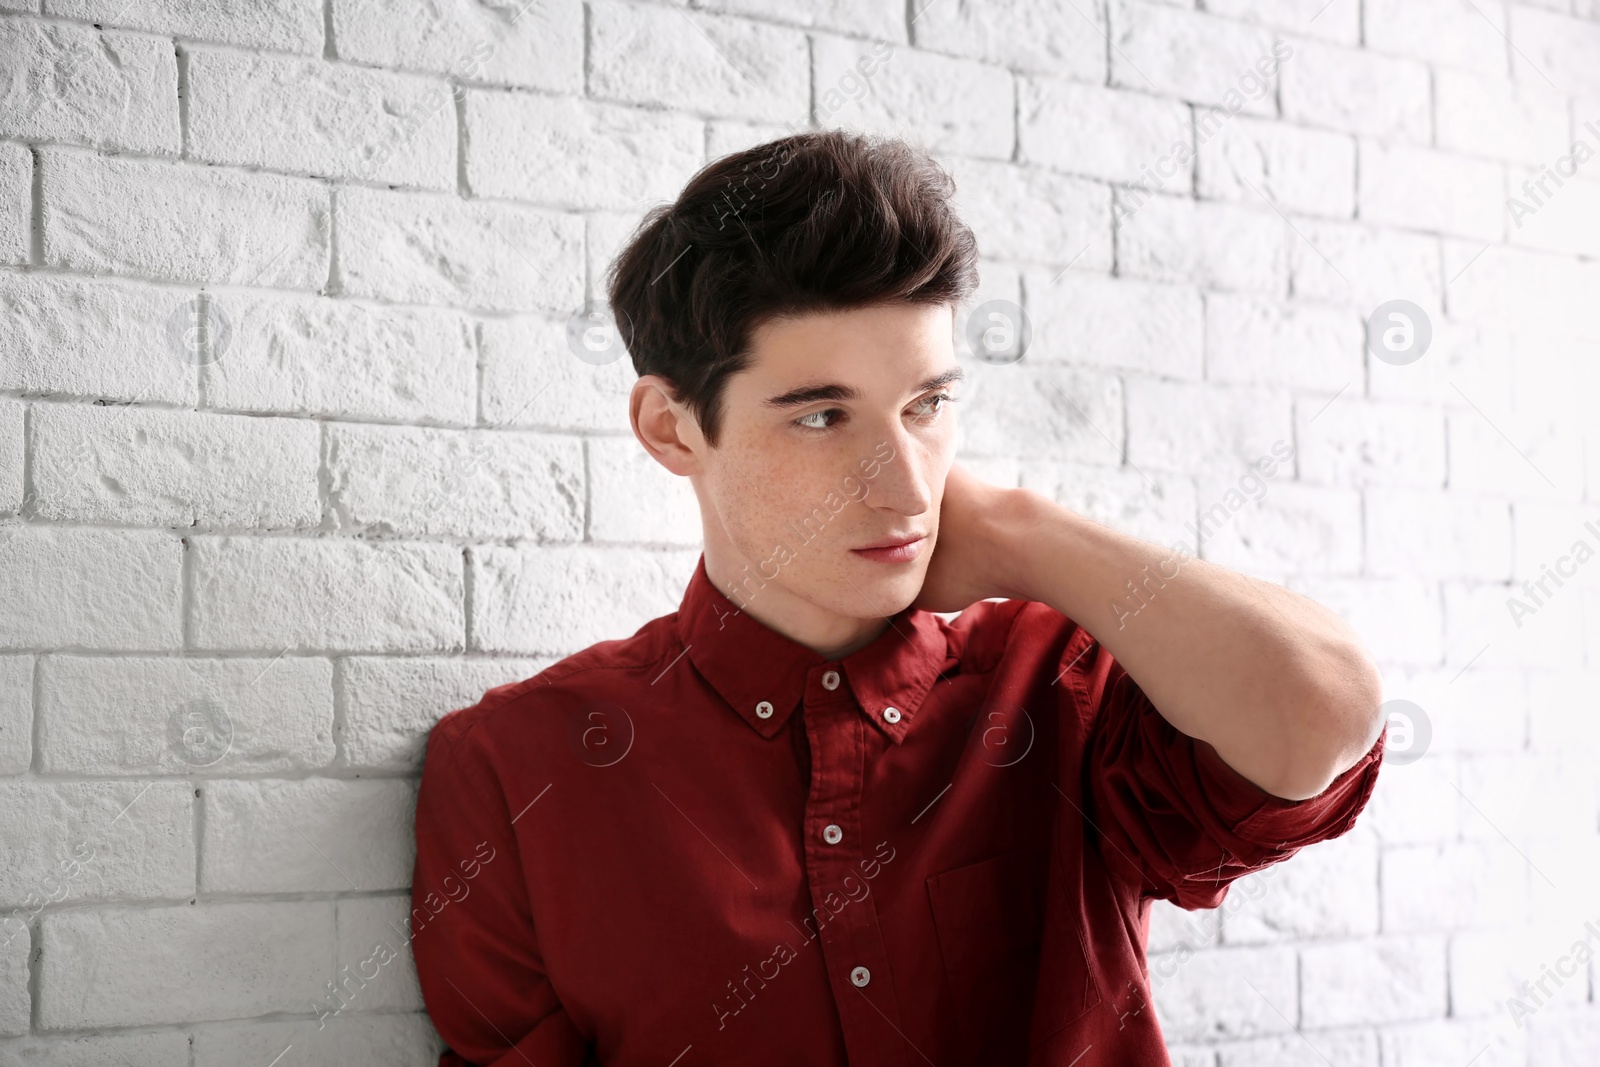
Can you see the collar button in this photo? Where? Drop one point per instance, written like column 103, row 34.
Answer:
column 830, row 680
column 891, row 715
column 764, row 709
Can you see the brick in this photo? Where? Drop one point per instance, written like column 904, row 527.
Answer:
column 1514, row 452
column 1517, row 796
column 1437, row 534
column 1357, row 91
column 1555, row 50
column 1446, row 33
column 724, row 138
column 429, row 249
column 1556, row 721
column 1051, row 412
column 559, row 600
column 1513, row 287
column 1326, row 890
column 1420, row 189
column 1091, row 319
column 1209, row 244
column 11, row 452
column 1352, row 264
column 103, row 589
column 350, row 1037
column 1280, row 527
column 1414, row 804
column 181, row 222
column 1556, row 543
column 537, row 44
column 16, row 201
column 883, row 19
column 106, row 90
column 1253, row 341
column 320, row 118
column 91, row 339
column 1030, row 213
column 1490, row 715
column 1451, row 1040
column 275, row 593
column 280, row 25
column 16, row 713
column 1156, row 509
column 521, row 147
column 182, row 963
column 1462, row 362
column 1399, row 620
column 184, row 715
column 316, row 356
column 365, row 924
column 158, row 1049
column 390, row 703
column 1488, row 968
column 1500, row 625
column 650, row 54
column 311, row 835
column 1210, row 994
column 1172, row 926
column 1357, row 442
column 1389, row 979
column 1565, row 220
column 1486, row 116
column 1033, row 35
column 1126, row 137
column 1457, row 886
column 419, row 482
column 84, row 841
column 1554, row 372
column 1187, row 426
column 635, row 499
column 1338, row 1048
column 1310, row 172
column 150, row 467
column 1193, row 56
column 1339, row 21
column 945, row 104
column 1562, row 1037
column 531, row 378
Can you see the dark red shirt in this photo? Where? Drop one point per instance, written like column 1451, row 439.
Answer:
column 706, row 844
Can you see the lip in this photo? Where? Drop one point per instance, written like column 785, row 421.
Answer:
column 898, row 550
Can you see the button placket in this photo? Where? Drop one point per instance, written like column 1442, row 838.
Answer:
column 845, row 918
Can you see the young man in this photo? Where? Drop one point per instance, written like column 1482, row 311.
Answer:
column 805, row 819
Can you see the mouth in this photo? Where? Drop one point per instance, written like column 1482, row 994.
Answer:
column 893, row 550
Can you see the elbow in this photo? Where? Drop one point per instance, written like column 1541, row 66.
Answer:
column 1343, row 718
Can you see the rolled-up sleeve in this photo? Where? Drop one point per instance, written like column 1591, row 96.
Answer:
column 477, row 954
column 1167, row 811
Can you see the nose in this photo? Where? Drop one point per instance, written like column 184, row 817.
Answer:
column 904, row 483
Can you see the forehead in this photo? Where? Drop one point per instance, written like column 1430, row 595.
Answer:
column 893, row 340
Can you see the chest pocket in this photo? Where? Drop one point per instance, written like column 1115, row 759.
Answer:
column 989, row 918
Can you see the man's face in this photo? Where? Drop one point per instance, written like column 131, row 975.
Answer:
column 836, row 438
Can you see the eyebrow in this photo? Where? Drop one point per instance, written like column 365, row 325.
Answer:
column 810, row 394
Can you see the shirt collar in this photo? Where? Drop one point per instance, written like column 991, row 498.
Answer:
column 750, row 665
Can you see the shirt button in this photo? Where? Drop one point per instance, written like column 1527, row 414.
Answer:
column 830, row 680
column 860, row 976
column 764, row 709
column 832, row 834
column 891, row 715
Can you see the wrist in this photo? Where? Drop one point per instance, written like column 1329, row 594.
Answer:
column 1015, row 523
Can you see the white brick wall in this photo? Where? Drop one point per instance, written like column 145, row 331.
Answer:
column 241, row 579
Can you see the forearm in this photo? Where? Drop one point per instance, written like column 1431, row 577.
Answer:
column 1278, row 684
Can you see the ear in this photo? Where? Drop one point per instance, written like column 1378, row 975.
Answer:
column 665, row 427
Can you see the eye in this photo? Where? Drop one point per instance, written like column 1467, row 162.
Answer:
column 804, row 423
column 942, row 398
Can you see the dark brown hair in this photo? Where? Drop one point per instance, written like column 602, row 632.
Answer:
column 813, row 222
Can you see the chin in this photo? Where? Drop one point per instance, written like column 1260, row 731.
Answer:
column 891, row 590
